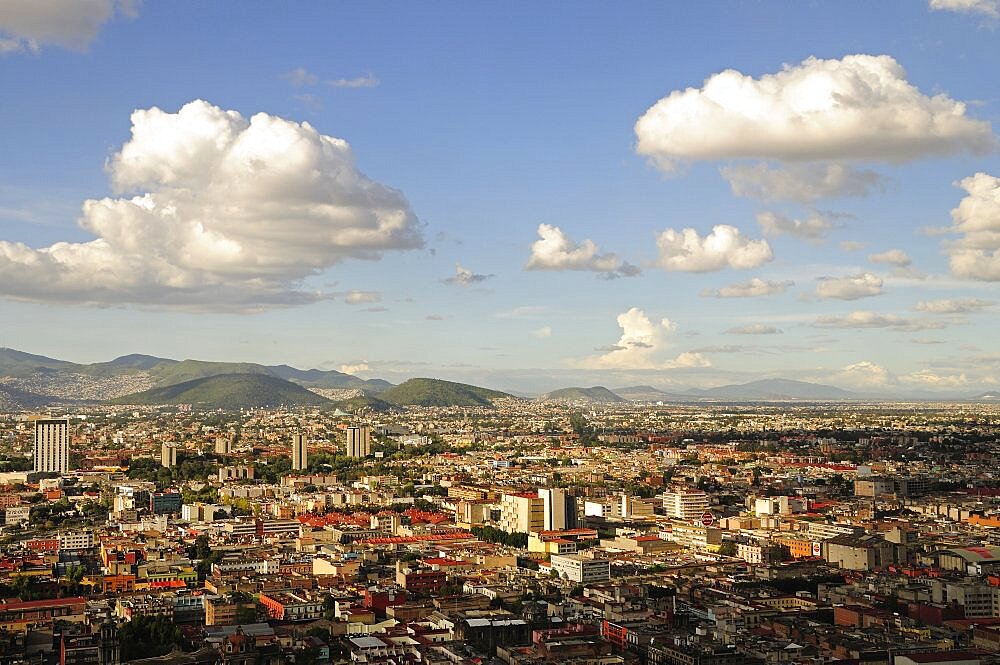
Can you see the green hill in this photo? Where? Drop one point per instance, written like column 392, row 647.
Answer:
column 354, row 404
column 597, row 394
column 230, row 392
column 436, row 392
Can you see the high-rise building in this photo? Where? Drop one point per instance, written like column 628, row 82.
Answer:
column 223, row 446
column 168, row 455
column 555, row 508
column 299, row 452
column 359, row 441
column 52, row 445
column 685, row 504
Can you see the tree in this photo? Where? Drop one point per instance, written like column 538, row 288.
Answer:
column 728, row 548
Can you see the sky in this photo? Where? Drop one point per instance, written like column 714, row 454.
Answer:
column 522, row 195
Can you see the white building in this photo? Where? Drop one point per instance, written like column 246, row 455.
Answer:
column 580, row 569
column 168, row 455
column 16, row 514
column 553, row 508
column 76, row 540
column 685, row 504
column 521, row 513
column 52, row 445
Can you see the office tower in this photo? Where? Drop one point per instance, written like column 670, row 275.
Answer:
column 554, row 508
column 299, row 452
column 52, row 445
column 168, row 455
column 222, row 445
column 359, row 441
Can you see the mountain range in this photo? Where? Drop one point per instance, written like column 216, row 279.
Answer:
column 29, row 381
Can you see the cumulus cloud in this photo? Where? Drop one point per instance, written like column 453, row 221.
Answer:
column 976, row 253
column 867, row 319
column 803, row 183
column 362, row 297
column 892, row 257
column 724, row 247
column 220, row 212
column 956, row 306
column 755, row 329
column 355, row 368
column 555, row 250
column 542, row 333
column 687, row 359
column 638, row 345
column 815, row 227
column 852, row 287
column 465, row 277
column 865, row 374
column 860, row 107
column 988, row 8
column 366, row 81
column 26, row 25
column 754, row 288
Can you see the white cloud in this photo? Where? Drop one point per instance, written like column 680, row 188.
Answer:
column 362, row 297
column 867, row 319
column 755, row 329
column 354, row 369
column 815, row 227
column 434, row 317
column 638, row 345
column 957, row 306
column 989, row 8
column 804, row 183
column 223, row 213
column 26, row 25
column 366, row 81
column 542, row 333
column 858, row 108
column 725, row 246
column 930, row 379
column 852, row 287
column 976, row 254
column 554, row 250
column 687, row 359
column 754, row 288
column 865, row 374
column 465, row 277
column 299, row 77
column 892, row 257
column 852, row 245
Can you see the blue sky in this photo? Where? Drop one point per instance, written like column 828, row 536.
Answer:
column 470, row 125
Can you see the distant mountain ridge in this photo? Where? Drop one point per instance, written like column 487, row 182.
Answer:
column 775, row 390
column 595, row 395
column 60, row 380
column 649, row 394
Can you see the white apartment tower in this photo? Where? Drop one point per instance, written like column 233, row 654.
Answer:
column 168, row 456
column 554, row 508
column 299, row 452
column 359, row 441
column 685, row 504
column 223, row 446
column 52, row 445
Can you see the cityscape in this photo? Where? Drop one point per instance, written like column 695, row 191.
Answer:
column 499, row 333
